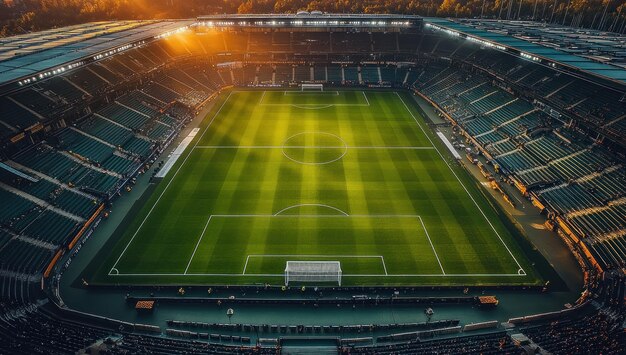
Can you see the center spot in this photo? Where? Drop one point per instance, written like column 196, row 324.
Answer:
column 314, row 148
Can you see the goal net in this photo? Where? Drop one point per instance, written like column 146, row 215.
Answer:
column 312, row 87
column 313, row 271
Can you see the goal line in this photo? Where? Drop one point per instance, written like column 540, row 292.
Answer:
column 521, row 270
column 314, row 257
column 115, row 272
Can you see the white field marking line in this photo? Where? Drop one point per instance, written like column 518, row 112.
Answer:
column 243, row 90
column 172, row 179
column 345, row 148
column 245, row 266
column 365, row 104
column 309, row 146
column 309, row 205
column 431, row 244
column 344, row 275
column 277, row 214
column 321, row 107
column 305, row 93
column 313, row 106
column 382, row 259
column 198, row 243
column 459, row 180
column 319, row 215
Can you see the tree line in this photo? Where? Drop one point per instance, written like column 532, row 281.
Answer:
column 22, row 16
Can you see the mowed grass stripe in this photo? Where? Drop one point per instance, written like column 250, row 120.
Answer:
column 471, row 209
column 289, row 179
column 355, row 199
column 308, row 190
column 270, row 189
column 150, row 252
column 245, row 197
column 429, row 204
column 449, row 201
column 474, row 194
column 356, row 241
column 396, row 190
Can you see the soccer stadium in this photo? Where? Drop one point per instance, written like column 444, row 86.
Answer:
column 313, row 183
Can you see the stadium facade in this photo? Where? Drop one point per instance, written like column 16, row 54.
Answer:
column 90, row 113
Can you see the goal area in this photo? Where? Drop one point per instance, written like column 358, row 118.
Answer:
column 311, row 87
column 313, row 271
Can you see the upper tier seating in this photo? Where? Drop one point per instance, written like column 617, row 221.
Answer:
column 88, row 81
column 496, row 343
column 64, row 88
column 106, row 130
column 83, row 205
column 124, row 116
column 36, row 101
column 16, row 116
column 78, row 143
column 58, row 166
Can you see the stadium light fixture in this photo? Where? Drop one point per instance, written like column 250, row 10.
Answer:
column 529, row 57
column 176, row 31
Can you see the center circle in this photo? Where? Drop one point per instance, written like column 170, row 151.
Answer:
column 314, row 148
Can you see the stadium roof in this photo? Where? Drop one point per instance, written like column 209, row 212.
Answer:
column 30, row 54
column 602, row 54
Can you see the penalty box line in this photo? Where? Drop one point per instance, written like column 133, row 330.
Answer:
column 343, row 215
column 382, row 259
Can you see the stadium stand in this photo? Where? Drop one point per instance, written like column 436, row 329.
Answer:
column 15, row 116
column 531, row 122
column 126, row 117
column 87, row 80
column 54, row 189
column 550, row 164
column 496, row 343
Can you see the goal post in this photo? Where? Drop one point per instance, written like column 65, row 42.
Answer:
column 311, row 87
column 313, row 271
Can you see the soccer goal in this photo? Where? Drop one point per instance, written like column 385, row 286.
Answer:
column 311, row 87
column 313, row 271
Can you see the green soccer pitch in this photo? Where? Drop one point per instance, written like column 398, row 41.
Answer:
column 348, row 176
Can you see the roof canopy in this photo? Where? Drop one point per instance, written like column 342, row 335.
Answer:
column 601, row 54
column 30, row 54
